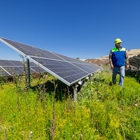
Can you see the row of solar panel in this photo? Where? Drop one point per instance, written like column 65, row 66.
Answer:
column 9, row 67
column 66, row 69
column 27, row 50
column 135, row 61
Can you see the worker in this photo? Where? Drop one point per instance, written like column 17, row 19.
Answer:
column 118, row 59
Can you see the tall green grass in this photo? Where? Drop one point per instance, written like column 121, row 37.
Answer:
column 102, row 112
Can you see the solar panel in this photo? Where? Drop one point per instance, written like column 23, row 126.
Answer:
column 66, row 69
column 12, row 67
column 33, row 64
column 16, row 63
column 63, row 69
column 36, row 69
column 68, row 58
column 3, row 72
column 14, row 70
column 135, row 61
column 29, row 50
column 5, row 63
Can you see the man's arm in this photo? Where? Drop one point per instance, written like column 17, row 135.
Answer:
column 110, row 60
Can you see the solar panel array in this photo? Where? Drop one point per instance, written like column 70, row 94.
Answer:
column 135, row 61
column 66, row 69
column 11, row 67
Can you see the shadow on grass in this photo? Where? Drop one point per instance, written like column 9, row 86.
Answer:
column 133, row 73
column 61, row 90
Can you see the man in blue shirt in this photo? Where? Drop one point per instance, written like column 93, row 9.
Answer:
column 118, row 59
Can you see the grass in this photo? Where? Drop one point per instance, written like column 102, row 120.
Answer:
column 102, row 112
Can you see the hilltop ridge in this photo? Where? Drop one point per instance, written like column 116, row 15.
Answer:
column 104, row 59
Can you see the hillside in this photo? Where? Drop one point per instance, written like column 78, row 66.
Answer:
column 104, row 59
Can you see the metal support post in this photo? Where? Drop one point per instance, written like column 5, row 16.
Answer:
column 75, row 92
column 28, row 71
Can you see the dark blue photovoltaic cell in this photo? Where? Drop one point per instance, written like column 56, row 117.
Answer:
column 84, row 67
column 66, row 69
column 47, row 54
column 74, row 61
column 93, row 67
column 65, row 58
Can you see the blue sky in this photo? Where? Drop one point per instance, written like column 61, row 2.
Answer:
column 75, row 28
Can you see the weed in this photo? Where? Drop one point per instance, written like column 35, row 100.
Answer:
column 47, row 111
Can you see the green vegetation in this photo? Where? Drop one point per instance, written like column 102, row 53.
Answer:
column 102, row 112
